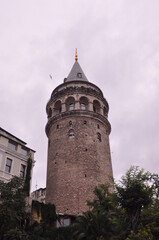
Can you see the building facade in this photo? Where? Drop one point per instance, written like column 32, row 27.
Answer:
column 14, row 155
column 39, row 195
column 78, row 143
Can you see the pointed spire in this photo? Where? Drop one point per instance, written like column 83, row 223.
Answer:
column 76, row 56
column 76, row 73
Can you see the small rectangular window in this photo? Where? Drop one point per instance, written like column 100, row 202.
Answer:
column 8, row 165
column 22, row 171
column 66, row 222
column 12, row 145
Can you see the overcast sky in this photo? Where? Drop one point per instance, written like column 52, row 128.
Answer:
column 118, row 48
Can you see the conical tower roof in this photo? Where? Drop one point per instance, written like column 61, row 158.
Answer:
column 76, row 73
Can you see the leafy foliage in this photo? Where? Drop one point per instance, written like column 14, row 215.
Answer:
column 131, row 212
column 12, row 205
column 142, row 233
column 102, row 221
column 134, row 193
column 47, row 211
column 28, row 176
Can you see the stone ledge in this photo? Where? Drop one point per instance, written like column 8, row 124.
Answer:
column 78, row 113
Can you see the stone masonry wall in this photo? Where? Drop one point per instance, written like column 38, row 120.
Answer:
column 77, row 164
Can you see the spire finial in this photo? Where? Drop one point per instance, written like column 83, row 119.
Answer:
column 76, row 56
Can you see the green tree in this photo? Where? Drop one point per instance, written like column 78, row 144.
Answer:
column 142, row 233
column 104, row 221
column 134, row 193
column 46, row 228
column 131, row 211
column 12, row 207
column 26, row 186
column 150, row 218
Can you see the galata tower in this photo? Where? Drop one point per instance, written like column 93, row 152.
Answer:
column 78, row 143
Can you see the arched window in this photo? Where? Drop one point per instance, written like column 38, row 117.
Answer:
column 104, row 111
column 71, row 106
column 70, row 103
column 83, row 106
column 96, row 106
column 50, row 112
column 83, row 103
column 94, row 109
column 71, row 134
column 99, row 137
column 57, row 107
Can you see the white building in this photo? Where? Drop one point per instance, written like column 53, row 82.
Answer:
column 14, row 155
column 39, row 195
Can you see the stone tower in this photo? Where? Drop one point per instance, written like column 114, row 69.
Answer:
column 78, row 143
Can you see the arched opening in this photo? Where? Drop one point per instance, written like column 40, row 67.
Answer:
column 49, row 112
column 105, row 111
column 57, row 107
column 96, row 106
column 83, row 103
column 70, row 103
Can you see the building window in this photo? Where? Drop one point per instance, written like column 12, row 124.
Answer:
column 58, row 223
column 70, row 104
column 105, row 111
column 50, row 112
column 79, row 75
column 71, row 107
column 24, row 151
column 94, row 109
column 71, row 134
column 83, row 103
column 12, row 145
column 83, row 106
column 58, row 107
column 22, row 171
column 96, row 106
column 99, row 137
column 70, row 123
column 8, row 165
column 66, row 222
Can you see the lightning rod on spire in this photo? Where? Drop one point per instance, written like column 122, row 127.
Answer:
column 76, row 56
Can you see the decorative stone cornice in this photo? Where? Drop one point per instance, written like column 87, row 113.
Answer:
column 66, row 114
